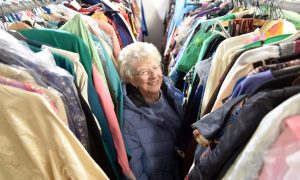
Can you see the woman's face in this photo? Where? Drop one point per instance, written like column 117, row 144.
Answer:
column 147, row 77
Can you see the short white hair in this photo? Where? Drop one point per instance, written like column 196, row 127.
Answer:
column 134, row 53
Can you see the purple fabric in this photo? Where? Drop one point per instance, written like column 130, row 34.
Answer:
column 203, row 13
column 251, row 83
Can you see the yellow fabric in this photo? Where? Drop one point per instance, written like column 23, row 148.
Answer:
column 133, row 26
column 17, row 26
column 17, row 74
column 35, row 144
column 23, row 76
column 100, row 16
column 268, row 26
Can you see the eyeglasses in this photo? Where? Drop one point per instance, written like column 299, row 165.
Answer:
column 144, row 73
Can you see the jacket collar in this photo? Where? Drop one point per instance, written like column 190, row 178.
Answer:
column 173, row 96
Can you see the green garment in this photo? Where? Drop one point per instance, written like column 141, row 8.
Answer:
column 206, row 45
column 77, row 26
column 114, row 83
column 267, row 41
column 106, row 134
column 114, row 79
column 191, row 54
column 70, row 42
column 204, row 48
column 63, row 40
column 192, row 51
column 60, row 61
column 293, row 17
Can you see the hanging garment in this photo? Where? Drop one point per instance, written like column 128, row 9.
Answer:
column 214, row 163
column 58, row 79
column 77, row 26
column 27, row 144
column 269, row 128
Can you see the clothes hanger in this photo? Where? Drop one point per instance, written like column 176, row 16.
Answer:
column 283, row 59
column 288, row 71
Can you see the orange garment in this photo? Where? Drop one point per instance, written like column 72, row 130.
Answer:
column 106, row 27
column 100, row 16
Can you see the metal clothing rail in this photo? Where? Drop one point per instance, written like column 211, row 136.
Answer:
column 290, row 5
column 8, row 7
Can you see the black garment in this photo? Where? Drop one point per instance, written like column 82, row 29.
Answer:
column 213, row 47
column 277, row 83
column 96, row 143
column 235, row 137
column 180, row 83
column 186, row 144
column 185, row 141
column 211, row 125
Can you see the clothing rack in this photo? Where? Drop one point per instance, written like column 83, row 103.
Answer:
column 8, row 7
column 194, row 2
column 290, row 5
column 110, row 6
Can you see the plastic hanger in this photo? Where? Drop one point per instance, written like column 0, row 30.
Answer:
column 288, row 71
column 283, row 59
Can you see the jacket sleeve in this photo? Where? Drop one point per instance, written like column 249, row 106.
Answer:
column 136, row 151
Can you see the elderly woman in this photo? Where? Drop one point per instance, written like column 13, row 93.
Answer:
column 153, row 110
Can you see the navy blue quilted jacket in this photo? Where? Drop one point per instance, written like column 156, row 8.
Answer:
column 151, row 140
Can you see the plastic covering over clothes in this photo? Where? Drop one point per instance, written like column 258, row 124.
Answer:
column 58, row 78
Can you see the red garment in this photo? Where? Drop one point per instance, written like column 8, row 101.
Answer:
column 125, row 15
column 108, row 108
column 82, row 10
column 297, row 47
column 110, row 21
column 287, row 143
column 88, row 10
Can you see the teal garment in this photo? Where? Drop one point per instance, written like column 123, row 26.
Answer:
column 115, row 81
column 60, row 61
column 106, row 135
column 63, row 40
column 69, row 42
column 77, row 26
